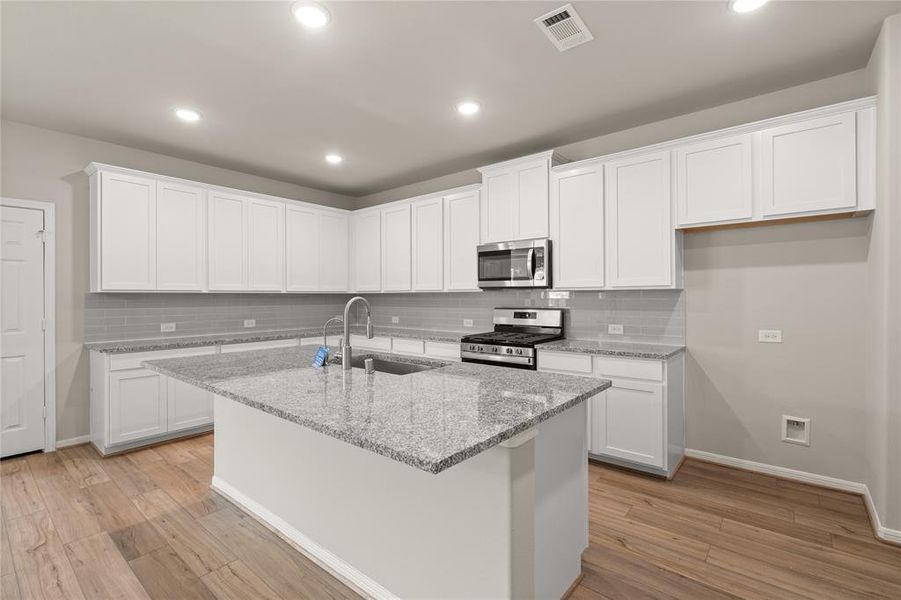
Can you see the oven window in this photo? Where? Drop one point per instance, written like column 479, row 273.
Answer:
column 504, row 265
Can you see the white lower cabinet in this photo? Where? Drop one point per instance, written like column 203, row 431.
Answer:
column 132, row 406
column 137, row 405
column 638, row 421
column 188, row 405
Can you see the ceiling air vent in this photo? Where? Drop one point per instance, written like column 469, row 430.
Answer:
column 564, row 27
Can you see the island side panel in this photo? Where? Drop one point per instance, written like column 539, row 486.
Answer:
column 561, row 501
column 388, row 528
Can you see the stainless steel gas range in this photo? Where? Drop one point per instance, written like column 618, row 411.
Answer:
column 517, row 331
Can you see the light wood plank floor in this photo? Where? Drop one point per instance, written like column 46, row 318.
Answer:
column 146, row 525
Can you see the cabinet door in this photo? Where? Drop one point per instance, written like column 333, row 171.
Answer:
column 227, row 233
column 180, row 237
column 428, row 244
column 461, row 240
column 577, row 227
column 137, row 405
column 809, row 166
column 627, row 423
column 639, row 228
column 302, row 247
column 367, row 244
column 499, row 206
column 332, row 252
column 396, row 248
column 188, row 405
column 532, row 212
column 265, row 245
column 128, row 232
column 713, row 181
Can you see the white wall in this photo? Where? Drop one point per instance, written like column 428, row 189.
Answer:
column 883, row 393
column 39, row 164
column 810, row 281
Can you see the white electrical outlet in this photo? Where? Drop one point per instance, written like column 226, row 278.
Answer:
column 167, row 327
column 558, row 295
column 250, row 322
column 769, row 336
column 601, row 295
column 395, row 320
column 467, row 322
column 796, row 430
column 614, row 328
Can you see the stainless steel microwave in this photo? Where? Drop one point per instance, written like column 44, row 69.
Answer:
column 517, row 264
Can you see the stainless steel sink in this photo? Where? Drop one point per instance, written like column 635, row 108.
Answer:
column 391, row 366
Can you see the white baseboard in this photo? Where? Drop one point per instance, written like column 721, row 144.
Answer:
column 82, row 439
column 358, row 581
column 882, row 532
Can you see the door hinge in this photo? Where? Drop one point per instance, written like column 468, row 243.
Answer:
column 44, row 235
column 43, row 324
column 44, row 411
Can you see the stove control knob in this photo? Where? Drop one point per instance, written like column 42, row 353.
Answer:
column 519, row 351
column 509, row 350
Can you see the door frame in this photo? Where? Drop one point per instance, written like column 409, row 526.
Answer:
column 48, row 210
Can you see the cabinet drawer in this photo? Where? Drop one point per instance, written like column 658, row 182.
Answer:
column 632, row 368
column 564, row 361
column 407, row 346
column 133, row 360
column 443, row 350
column 361, row 342
column 229, row 348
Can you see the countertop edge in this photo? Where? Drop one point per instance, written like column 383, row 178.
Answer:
column 648, row 355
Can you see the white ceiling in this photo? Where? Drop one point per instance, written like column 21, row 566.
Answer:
column 379, row 84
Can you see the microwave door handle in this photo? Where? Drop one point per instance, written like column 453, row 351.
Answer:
column 531, row 262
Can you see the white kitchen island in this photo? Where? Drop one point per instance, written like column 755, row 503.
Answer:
column 463, row 481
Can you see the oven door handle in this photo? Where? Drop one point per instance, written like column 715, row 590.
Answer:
column 531, row 262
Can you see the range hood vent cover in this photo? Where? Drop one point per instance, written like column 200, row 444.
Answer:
column 564, row 27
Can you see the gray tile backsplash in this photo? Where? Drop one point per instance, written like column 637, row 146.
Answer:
column 649, row 315
column 111, row 317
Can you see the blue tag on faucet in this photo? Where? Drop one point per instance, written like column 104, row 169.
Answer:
column 321, row 356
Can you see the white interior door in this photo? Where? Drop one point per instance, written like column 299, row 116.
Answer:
column 21, row 332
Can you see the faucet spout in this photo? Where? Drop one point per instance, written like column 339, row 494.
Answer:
column 346, row 350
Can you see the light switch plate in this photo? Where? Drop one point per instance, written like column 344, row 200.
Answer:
column 395, row 320
column 615, row 328
column 558, row 295
column 250, row 322
column 467, row 322
column 167, row 327
column 769, row 336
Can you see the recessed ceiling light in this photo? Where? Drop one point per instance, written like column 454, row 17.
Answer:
column 743, row 6
column 468, row 108
column 334, row 159
column 311, row 14
column 187, row 115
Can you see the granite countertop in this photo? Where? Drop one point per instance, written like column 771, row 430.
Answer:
column 618, row 349
column 172, row 343
column 430, row 420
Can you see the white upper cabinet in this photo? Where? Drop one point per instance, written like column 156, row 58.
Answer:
column 461, row 240
column 713, row 181
column 809, row 166
column 127, row 232
column 333, row 251
column 639, row 229
column 303, row 253
column 515, row 199
column 577, row 226
column 265, row 245
column 428, row 244
column 180, row 237
column 316, row 256
column 227, row 241
column 367, row 250
column 396, row 248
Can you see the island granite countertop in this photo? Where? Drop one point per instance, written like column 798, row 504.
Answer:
column 616, row 349
column 430, row 420
column 221, row 339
